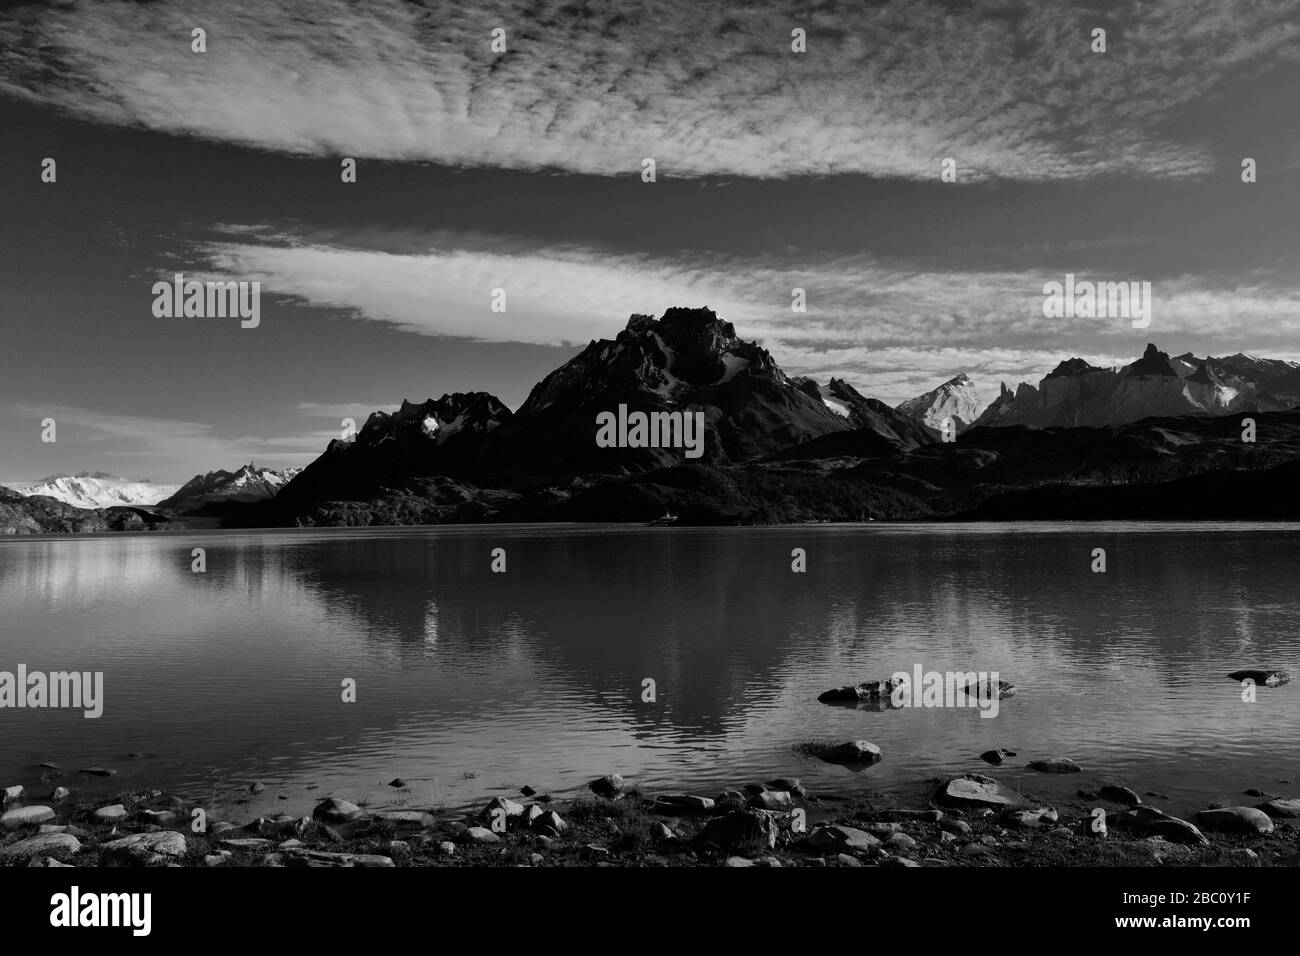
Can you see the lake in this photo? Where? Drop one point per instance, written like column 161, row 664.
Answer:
column 471, row 683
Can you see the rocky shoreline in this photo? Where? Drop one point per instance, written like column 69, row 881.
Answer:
column 968, row 820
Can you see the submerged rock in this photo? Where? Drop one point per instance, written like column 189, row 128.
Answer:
column 867, row 691
column 1055, row 765
column 987, row 690
column 996, row 757
column 854, row 754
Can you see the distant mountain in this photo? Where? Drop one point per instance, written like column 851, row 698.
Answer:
column 1076, row 393
column 248, row 483
column 955, row 400
column 96, row 489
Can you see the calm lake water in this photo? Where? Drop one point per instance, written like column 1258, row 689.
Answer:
column 471, row 683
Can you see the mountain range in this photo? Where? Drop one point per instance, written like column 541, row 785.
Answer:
column 96, row 489
column 782, row 449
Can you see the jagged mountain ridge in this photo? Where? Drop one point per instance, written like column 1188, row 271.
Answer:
column 1076, row 393
column 246, row 483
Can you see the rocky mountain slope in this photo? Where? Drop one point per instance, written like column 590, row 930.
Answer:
column 954, row 401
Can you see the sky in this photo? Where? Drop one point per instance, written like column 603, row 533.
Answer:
column 522, row 170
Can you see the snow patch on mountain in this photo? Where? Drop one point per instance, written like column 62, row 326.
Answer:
column 96, row 489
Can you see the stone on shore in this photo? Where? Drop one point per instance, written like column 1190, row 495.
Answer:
column 976, row 790
column 1283, row 808
column 684, row 802
column 612, row 786
column 501, row 808
column 335, row 810
column 1157, row 823
column 550, row 820
column 45, row 844
column 26, row 817
column 772, row 800
column 114, row 813
column 840, row 838
column 1235, row 820
column 740, row 827
column 60, row 793
column 13, row 795
column 479, row 835
column 302, row 857
column 145, row 849
column 403, row 818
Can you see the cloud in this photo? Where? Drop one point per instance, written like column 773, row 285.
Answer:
column 179, row 447
column 1008, row 91
column 888, row 327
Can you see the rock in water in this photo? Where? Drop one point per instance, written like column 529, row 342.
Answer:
column 1262, row 678
column 1055, row 765
column 986, row 689
column 996, row 757
column 976, row 790
column 870, row 690
column 854, row 754
column 1235, row 820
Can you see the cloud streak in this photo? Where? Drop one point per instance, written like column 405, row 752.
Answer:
column 887, row 90
column 893, row 329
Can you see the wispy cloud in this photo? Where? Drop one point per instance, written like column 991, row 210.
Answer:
column 1008, row 91
column 888, row 327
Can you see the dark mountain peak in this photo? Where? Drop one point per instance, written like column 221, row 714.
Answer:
column 1073, row 366
column 1152, row 362
column 1204, row 374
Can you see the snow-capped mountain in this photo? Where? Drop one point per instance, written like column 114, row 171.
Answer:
column 96, row 489
column 248, row 483
column 955, row 400
column 1076, row 393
